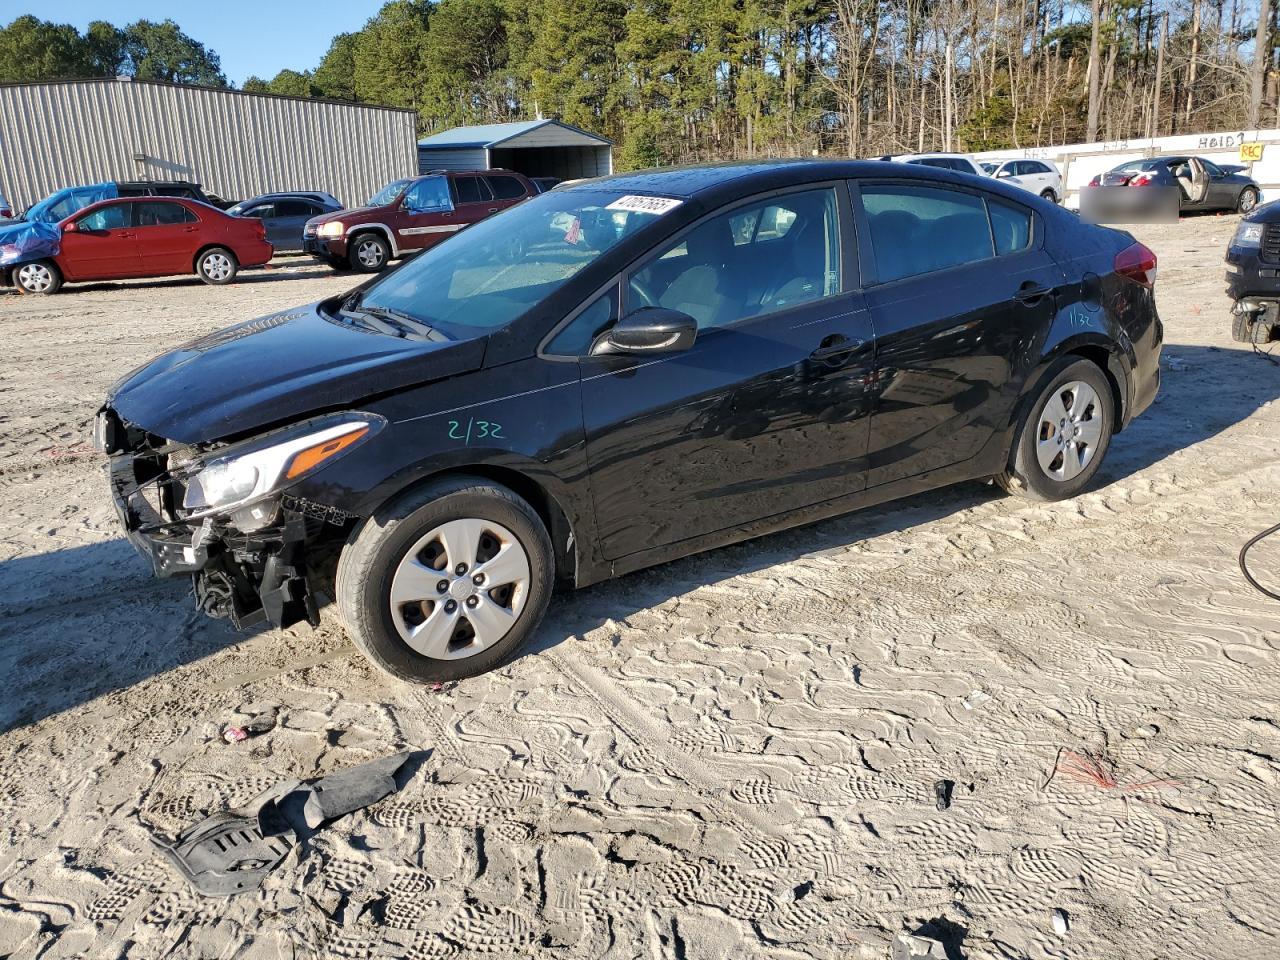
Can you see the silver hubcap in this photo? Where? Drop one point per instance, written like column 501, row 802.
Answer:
column 217, row 266
column 35, row 277
column 1248, row 201
column 460, row 589
column 1070, row 428
column 369, row 252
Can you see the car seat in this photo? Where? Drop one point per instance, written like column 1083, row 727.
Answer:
column 702, row 289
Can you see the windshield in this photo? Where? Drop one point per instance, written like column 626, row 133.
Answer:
column 60, row 205
column 387, row 193
column 487, row 275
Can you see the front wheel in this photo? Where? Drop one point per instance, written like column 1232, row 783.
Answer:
column 446, row 582
column 1248, row 200
column 217, row 266
column 1049, row 195
column 41, row 276
column 1063, row 435
column 369, row 253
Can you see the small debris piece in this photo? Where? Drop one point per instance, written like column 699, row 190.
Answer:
column 942, row 793
column 235, row 734
column 1060, row 923
column 909, row 947
column 1177, row 364
column 976, row 699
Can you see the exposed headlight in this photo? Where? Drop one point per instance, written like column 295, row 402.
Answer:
column 334, row 228
column 253, row 471
column 1248, row 235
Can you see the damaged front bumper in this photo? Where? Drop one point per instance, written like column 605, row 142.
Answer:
column 248, row 578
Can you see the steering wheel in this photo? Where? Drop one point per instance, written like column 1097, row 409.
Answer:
column 643, row 292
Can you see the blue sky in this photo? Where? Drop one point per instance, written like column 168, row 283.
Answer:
column 252, row 36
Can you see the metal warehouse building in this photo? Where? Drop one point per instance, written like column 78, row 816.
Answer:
column 536, row 148
column 235, row 144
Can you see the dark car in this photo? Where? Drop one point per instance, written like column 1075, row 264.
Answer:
column 120, row 239
column 410, row 215
column 286, row 214
column 688, row 358
column 1202, row 184
column 544, row 183
column 1253, row 276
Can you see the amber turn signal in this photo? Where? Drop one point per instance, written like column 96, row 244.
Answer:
column 306, row 460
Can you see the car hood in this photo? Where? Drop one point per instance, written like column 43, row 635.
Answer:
column 274, row 369
column 348, row 215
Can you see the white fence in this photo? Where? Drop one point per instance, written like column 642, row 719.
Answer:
column 1081, row 162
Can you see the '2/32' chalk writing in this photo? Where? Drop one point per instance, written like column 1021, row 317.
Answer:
column 475, row 430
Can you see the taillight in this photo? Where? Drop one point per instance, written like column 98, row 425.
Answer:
column 1096, row 181
column 1138, row 264
column 1141, row 180
column 6, row 213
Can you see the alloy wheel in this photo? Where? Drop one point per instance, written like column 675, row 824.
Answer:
column 460, row 589
column 217, row 266
column 1069, row 430
column 369, row 253
column 1248, row 200
column 35, row 277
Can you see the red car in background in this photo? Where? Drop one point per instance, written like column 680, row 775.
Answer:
column 125, row 238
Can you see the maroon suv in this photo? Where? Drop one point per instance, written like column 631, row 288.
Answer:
column 410, row 215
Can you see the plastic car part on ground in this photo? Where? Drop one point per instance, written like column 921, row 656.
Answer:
column 23, row 241
column 232, row 851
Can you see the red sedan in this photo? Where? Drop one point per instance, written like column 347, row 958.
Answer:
column 147, row 237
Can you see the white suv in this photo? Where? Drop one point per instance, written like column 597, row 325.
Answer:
column 947, row 161
column 1038, row 176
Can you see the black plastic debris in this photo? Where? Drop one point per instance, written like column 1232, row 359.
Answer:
column 942, row 793
column 232, row 851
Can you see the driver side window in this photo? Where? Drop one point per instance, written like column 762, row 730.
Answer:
column 115, row 217
column 428, row 196
column 756, row 260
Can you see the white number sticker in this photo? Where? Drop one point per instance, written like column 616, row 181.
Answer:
column 654, row 205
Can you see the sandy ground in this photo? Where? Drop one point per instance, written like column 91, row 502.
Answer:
column 733, row 755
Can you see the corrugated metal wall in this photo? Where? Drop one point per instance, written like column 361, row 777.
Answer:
column 55, row 135
column 451, row 158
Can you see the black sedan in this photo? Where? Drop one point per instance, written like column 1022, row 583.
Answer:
column 665, row 362
column 1202, row 184
column 285, row 214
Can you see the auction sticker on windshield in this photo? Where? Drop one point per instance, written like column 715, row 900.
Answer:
column 634, row 204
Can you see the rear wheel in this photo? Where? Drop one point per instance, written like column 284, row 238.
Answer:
column 1049, row 195
column 446, row 582
column 368, row 252
column 41, row 276
column 1248, row 199
column 1064, row 434
column 1249, row 328
column 217, row 266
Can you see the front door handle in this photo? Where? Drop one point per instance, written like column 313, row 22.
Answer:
column 1031, row 293
column 493, row 209
column 835, row 345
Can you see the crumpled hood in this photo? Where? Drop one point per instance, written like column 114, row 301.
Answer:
column 25, row 240
column 274, row 369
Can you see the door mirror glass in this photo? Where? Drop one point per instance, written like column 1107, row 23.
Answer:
column 649, row 330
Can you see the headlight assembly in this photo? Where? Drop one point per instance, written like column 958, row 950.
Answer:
column 334, row 228
column 1248, row 235
column 246, row 473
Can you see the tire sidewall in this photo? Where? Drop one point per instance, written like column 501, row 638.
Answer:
column 354, row 257
column 203, row 258
column 378, row 545
column 1026, row 466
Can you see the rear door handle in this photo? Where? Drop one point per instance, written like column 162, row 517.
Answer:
column 835, row 345
column 493, row 209
column 1030, row 293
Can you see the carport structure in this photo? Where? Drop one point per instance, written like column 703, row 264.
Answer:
column 536, row 148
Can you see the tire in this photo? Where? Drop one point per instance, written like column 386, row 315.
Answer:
column 1048, row 194
column 389, row 552
column 217, row 266
column 1248, row 200
column 39, row 277
column 1246, row 328
column 368, row 252
column 1054, row 470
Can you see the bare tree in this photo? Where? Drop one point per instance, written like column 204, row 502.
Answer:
column 1259, row 67
column 1091, row 126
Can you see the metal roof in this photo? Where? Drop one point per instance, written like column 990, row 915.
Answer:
column 494, row 134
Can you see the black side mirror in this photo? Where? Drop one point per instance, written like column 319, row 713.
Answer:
column 648, row 330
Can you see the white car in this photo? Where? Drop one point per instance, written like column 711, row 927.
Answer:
column 947, row 161
column 1037, row 176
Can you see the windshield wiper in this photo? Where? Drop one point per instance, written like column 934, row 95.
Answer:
column 404, row 320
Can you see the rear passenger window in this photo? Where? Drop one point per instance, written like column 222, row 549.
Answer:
column 506, row 188
column 471, row 190
column 157, row 213
column 917, row 230
column 1010, row 226
column 296, row 208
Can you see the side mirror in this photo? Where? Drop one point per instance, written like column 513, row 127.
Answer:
column 1004, row 172
column 72, row 227
column 649, row 330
